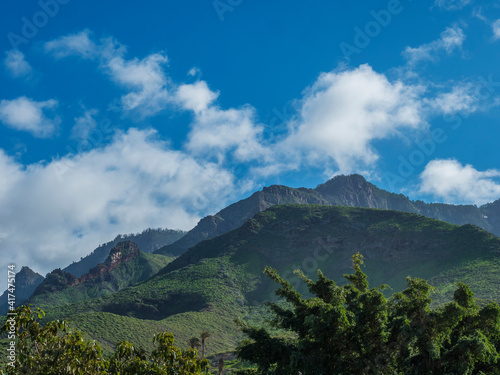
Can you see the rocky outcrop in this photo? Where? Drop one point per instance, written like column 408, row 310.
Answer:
column 121, row 253
column 148, row 241
column 59, row 279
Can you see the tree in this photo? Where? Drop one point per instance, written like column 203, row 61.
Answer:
column 204, row 336
column 56, row 349
column 194, row 343
column 352, row 329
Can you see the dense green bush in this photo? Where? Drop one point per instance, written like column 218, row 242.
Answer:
column 352, row 329
column 55, row 349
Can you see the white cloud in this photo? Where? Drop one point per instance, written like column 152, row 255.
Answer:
column 25, row 114
column 84, row 125
column 70, row 205
column 196, row 96
column 343, row 112
column 216, row 132
column 78, row 44
column 144, row 78
column 194, row 71
column 452, row 4
column 496, row 29
column 460, row 99
column 453, row 182
column 16, row 64
column 450, row 40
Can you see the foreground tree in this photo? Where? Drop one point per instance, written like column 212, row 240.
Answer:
column 204, row 336
column 352, row 329
column 55, row 349
column 194, row 343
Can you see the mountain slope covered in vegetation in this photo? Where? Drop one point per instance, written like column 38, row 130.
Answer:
column 352, row 191
column 221, row 279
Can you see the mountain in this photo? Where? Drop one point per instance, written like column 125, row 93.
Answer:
column 26, row 282
column 126, row 265
column 221, row 279
column 148, row 241
column 352, row 190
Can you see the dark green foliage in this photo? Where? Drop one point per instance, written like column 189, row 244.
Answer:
column 194, row 342
column 55, row 349
column 352, row 329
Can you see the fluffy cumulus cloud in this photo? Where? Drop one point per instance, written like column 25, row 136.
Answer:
column 215, row 131
column 449, row 180
column 72, row 204
column 196, row 97
column 28, row 115
column 450, row 40
column 145, row 80
column 16, row 64
column 462, row 98
column 452, row 4
column 496, row 29
column 343, row 112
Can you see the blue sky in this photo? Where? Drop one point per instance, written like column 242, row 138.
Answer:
column 115, row 116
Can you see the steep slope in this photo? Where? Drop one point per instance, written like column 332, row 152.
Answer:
column 235, row 215
column 353, row 191
column 26, row 282
column 221, row 279
column 126, row 265
column 148, row 241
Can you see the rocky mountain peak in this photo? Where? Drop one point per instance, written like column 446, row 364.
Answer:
column 121, row 253
column 354, row 183
column 59, row 279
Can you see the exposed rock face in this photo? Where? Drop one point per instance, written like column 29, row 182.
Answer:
column 148, row 241
column 58, row 279
column 121, row 253
column 26, row 282
column 352, row 191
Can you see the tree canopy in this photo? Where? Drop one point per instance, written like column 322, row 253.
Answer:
column 352, row 329
column 56, row 349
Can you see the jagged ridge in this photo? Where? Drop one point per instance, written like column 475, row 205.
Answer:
column 125, row 265
column 352, row 191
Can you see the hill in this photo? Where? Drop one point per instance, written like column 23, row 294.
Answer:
column 352, row 191
column 221, row 279
column 27, row 281
column 125, row 266
column 148, row 241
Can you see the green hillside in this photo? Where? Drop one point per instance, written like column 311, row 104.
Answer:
column 351, row 191
column 125, row 266
column 221, row 279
